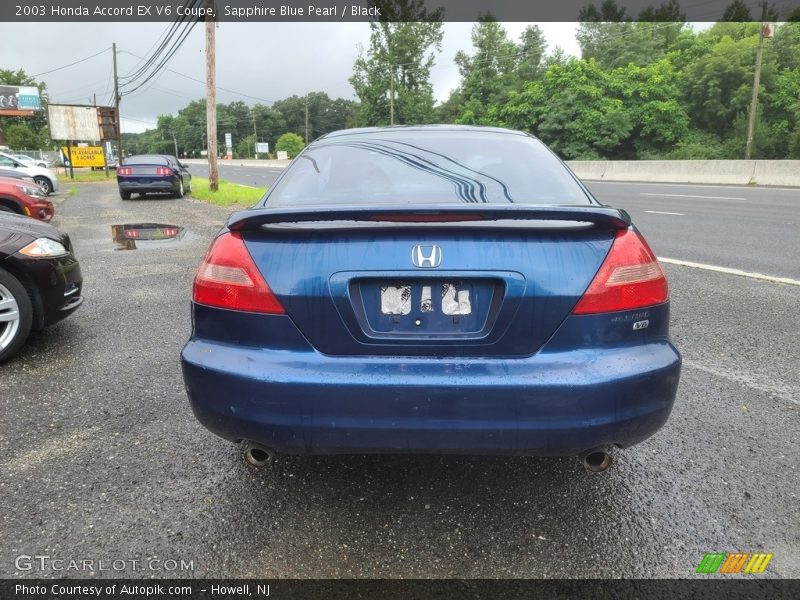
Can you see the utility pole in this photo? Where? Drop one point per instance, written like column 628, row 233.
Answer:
column 211, row 97
column 116, row 103
column 175, row 141
column 306, row 120
column 255, row 135
column 391, row 96
column 751, row 122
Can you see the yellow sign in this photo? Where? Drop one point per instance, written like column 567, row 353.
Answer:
column 85, row 156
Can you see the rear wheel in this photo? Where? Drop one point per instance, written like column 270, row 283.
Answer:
column 181, row 191
column 45, row 183
column 16, row 315
column 125, row 195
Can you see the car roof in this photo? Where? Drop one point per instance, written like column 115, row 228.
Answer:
column 405, row 129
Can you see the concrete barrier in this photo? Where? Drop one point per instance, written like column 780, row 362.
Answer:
column 268, row 163
column 730, row 172
column 784, row 173
column 777, row 172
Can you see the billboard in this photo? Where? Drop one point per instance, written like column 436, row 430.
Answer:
column 73, row 122
column 19, row 100
column 84, row 156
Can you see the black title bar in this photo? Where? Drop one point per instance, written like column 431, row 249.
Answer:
column 241, row 11
column 734, row 588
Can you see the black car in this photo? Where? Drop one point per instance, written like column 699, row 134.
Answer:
column 153, row 174
column 40, row 279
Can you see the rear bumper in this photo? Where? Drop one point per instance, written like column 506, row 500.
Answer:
column 552, row 403
column 150, row 187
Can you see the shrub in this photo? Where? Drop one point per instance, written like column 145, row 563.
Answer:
column 292, row 143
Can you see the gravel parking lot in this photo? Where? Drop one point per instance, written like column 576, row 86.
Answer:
column 101, row 458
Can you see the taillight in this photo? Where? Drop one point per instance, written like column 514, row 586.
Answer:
column 163, row 171
column 228, row 278
column 124, row 171
column 630, row 277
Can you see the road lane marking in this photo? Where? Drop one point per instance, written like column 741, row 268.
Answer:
column 755, row 381
column 691, row 196
column 661, row 212
column 729, row 271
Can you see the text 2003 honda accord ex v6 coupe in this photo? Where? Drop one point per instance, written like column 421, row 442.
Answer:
column 430, row 289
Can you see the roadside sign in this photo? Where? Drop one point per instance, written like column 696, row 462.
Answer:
column 283, row 155
column 229, row 140
column 262, row 147
column 84, row 156
column 19, row 100
column 73, row 122
column 107, row 116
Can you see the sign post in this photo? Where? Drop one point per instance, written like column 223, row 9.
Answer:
column 69, row 158
column 228, row 146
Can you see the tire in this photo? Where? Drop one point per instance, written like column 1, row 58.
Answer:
column 124, row 195
column 7, row 209
column 180, row 191
column 45, row 183
column 13, row 299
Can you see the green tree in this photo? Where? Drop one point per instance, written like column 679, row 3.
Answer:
column 532, row 47
column 397, row 65
column 571, row 110
column 737, row 11
column 487, row 76
column 623, row 43
column 324, row 114
column 22, row 136
column 718, row 85
column 292, row 143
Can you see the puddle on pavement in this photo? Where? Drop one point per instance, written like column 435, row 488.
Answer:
column 146, row 236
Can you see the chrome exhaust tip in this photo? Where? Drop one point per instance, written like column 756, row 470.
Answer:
column 596, row 461
column 256, row 455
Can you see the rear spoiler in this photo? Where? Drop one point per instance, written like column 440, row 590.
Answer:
column 602, row 216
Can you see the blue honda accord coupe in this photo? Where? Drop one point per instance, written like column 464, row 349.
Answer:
column 433, row 289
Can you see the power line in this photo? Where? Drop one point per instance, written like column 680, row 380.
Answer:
column 72, row 64
column 230, row 91
column 168, row 34
column 162, row 65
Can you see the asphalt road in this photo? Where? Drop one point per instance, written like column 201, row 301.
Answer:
column 101, row 458
column 255, row 176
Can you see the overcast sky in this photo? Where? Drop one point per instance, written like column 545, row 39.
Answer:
column 265, row 61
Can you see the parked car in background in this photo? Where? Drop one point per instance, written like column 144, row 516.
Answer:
column 153, row 174
column 43, row 176
column 24, row 198
column 30, row 161
column 40, row 279
column 436, row 289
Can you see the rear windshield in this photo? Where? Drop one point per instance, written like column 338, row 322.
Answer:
column 146, row 159
column 437, row 167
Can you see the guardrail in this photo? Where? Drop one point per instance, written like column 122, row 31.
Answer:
column 734, row 172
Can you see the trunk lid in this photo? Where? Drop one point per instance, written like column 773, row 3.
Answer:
column 401, row 282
